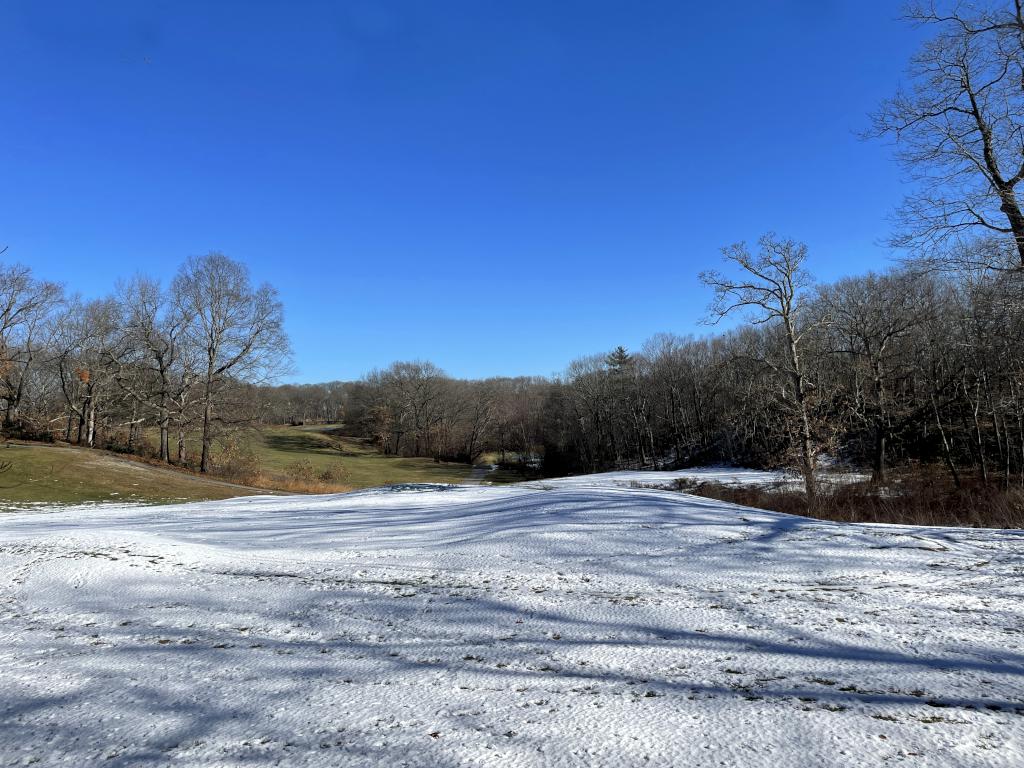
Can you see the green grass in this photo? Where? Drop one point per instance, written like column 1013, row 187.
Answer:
column 50, row 474
column 47, row 474
column 356, row 462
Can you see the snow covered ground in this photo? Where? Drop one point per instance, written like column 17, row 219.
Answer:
column 575, row 623
column 773, row 478
column 723, row 475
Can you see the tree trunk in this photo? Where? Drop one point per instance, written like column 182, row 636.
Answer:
column 133, row 426
column 82, row 418
column 1006, row 468
column 164, row 415
column 806, row 435
column 181, row 443
column 979, row 442
column 881, row 424
column 1010, row 207
column 878, row 467
column 945, row 444
column 91, row 428
column 204, row 461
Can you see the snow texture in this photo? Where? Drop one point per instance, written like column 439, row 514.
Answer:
column 579, row 622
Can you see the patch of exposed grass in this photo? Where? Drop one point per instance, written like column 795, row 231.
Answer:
column 306, row 459
column 318, row 458
column 49, row 474
column 352, row 462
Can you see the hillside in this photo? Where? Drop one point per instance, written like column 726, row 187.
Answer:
column 49, row 474
column 355, row 462
column 572, row 623
column 43, row 473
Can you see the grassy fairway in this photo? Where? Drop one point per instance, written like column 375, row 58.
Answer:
column 357, row 463
column 48, row 474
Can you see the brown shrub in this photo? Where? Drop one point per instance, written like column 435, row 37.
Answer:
column 915, row 498
column 238, row 463
column 303, row 477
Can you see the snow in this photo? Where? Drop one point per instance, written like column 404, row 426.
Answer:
column 579, row 622
column 736, row 476
column 722, row 475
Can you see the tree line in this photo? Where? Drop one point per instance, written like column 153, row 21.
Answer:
column 182, row 361
column 919, row 363
column 903, row 366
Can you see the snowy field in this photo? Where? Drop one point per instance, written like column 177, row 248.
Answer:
column 571, row 623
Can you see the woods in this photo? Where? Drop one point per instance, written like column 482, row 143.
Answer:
column 907, row 366
column 182, row 360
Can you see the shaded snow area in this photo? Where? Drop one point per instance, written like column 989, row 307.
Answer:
column 576, row 624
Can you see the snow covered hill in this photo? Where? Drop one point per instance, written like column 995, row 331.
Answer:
column 571, row 623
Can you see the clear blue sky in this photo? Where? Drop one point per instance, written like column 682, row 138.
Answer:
column 498, row 187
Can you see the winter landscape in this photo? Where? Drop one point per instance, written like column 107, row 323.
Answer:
column 527, row 384
column 567, row 624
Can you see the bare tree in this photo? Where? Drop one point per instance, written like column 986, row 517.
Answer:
column 237, row 329
column 154, row 328
column 773, row 286
column 88, row 340
column 870, row 318
column 959, row 127
column 25, row 305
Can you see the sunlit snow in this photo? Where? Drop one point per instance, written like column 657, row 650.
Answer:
column 580, row 622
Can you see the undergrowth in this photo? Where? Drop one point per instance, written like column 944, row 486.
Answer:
column 921, row 498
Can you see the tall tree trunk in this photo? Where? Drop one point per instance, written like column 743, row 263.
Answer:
column 133, row 426
column 181, row 443
column 946, row 452
column 91, row 427
column 164, row 416
column 979, row 442
column 1020, row 432
column 1011, row 208
column 204, row 461
column 1006, row 467
column 806, row 434
column 878, row 468
column 881, row 425
column 83, row 417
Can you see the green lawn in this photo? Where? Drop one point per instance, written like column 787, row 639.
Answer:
column 357, row 463
column 48, row 474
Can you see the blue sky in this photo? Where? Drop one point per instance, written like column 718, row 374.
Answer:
column 498, row 187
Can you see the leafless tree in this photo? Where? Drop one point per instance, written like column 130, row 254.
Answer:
column 25, row 305
column 959, row 126
column 772, row 286
column 871, row 318
column 238, row 330
column 88, row 339
column 154, row 339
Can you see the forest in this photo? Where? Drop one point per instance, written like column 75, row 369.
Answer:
column 181, row 360
column 906, row 367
